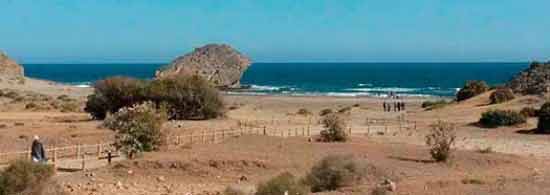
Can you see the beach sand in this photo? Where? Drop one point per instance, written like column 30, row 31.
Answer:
column 516, row 155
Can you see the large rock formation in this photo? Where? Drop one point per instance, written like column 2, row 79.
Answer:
column 10, row 71
column 535, row 80
column 218, row 63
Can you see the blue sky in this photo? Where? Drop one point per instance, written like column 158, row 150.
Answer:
column 276, row 31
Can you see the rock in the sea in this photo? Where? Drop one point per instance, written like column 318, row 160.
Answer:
column 219, row 63
column 10, row 71
column 535, row 80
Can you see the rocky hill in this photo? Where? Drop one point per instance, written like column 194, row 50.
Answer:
column 535, row 80
column 218, row 63
column 10, row 71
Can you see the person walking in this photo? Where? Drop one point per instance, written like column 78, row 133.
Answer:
column 385, row 106
column 38, row 154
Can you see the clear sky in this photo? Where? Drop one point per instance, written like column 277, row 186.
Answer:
column 276, row 30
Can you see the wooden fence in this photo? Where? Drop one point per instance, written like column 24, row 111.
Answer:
column 83, row 153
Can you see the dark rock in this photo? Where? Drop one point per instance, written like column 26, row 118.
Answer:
column 220, row 64
column 535, row 80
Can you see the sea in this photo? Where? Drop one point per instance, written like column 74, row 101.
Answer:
column 311, row 79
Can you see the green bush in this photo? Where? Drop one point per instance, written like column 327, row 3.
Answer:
column 285, row 182
column 471, row 89
column 325, row 112
column 431, row 105
column 138, row 128
column 114, row 93
column 440, row 140
column 501, row 95
column 529, row 112
column 335, row 171
column 24, row 176
column 187, row 97
column 183, row 97
column 544, row 119
column 335, row 129
column 497, row 118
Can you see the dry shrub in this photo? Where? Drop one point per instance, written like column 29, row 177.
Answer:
column 285, row 182
column 497, row 118
column 232, row 190
column 25, row 177
column 70, row 106
column 529, row 112
column 432, row 105
column 138, row 128
column 335, row 129
column 325, row 112
column 471, row 89
column 441, row 140
column 501, row 95
column 304, row 112
column 336, row 171
column 345, row 110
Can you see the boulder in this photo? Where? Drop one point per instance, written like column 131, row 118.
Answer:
column 218, row 63
column 535, row 80
column 10, row 71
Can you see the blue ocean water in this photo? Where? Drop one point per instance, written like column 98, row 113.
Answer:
column 333, row 79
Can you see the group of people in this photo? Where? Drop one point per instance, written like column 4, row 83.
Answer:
column 395, row 105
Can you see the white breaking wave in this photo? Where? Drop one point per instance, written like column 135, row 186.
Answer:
column 82, row 84
column 394, row 89
column 271, row 88
column 364, row 84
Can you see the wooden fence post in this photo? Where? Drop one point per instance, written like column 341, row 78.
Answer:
column 203, row 140
column 98, row 150
column 77, row 151
column 265, row 132
column 83, row 162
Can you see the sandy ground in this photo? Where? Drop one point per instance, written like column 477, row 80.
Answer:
column 517, row 167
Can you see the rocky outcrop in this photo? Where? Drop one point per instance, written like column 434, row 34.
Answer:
column 535, row 80
column 10, row 71
column 219, row 63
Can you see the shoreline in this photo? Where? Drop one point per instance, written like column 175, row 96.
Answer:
column 55, row 88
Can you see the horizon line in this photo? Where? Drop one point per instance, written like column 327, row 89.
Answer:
column 304, row 62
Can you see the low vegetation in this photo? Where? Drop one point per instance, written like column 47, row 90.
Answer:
column 325, row 112
column 441, row 140
column 335, row 129
column 138, row 128
column 471, row 89
column 285, row 182
column 497, row 118
column 501, row 95
column 25, row 177
column 544, row 119
column 334, row 172
column 529, row 112
column 303, row 112
column 432, row 105
column 183, row 97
